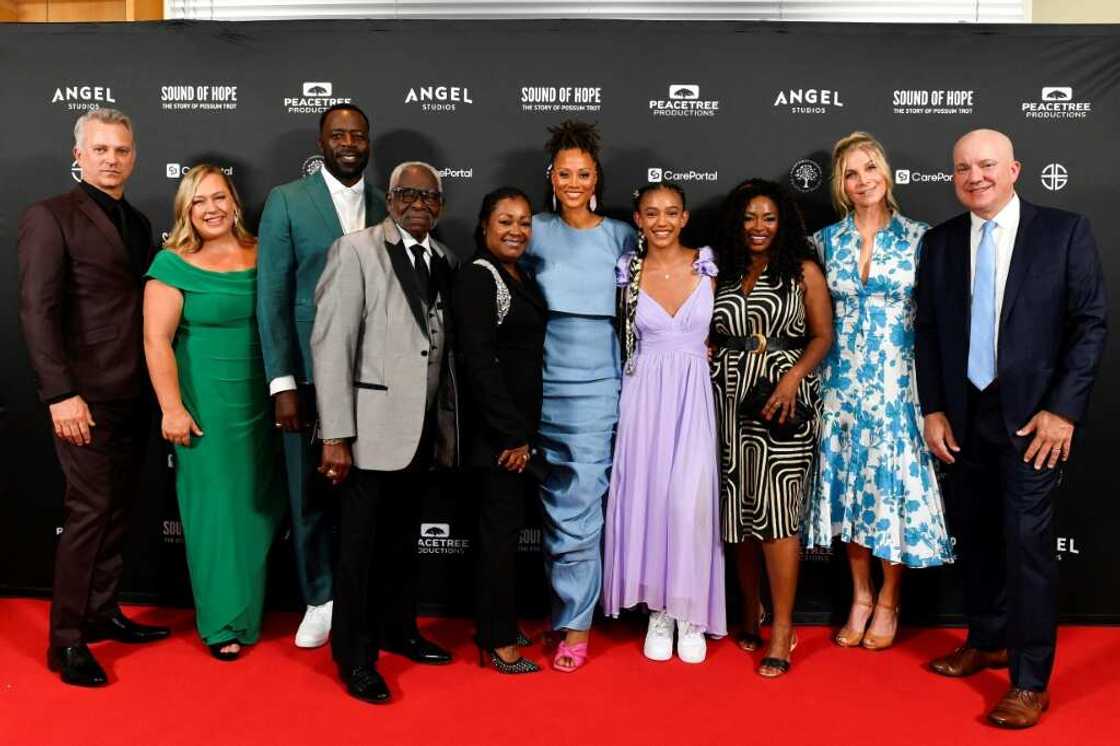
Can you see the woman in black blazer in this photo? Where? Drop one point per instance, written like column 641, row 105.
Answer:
column 500, row 317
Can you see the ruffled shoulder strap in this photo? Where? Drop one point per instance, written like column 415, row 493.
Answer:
column 502, row 300
column 622, row 269
column 705, row 263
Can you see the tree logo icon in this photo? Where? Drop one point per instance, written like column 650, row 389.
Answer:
column 435, row 530
column 317, row 88
column 1057, row 93
column 806, row 175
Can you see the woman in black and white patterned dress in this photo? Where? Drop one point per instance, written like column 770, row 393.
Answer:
column 772, row 325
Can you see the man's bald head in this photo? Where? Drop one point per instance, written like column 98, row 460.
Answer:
column 984, row 171
column 992, row 138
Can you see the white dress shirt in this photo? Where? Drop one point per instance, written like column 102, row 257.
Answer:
column 409, row 242
column 1007, row 227
column 350, row 206
column 349, row 201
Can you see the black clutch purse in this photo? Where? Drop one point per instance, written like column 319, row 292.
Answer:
column 752, row 405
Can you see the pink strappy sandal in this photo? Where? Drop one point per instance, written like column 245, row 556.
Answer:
column 577, row 652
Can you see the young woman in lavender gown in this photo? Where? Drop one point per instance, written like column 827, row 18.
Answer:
column 662, row 546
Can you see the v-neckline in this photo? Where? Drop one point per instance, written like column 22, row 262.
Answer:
column 673, row 316
column 870, row 259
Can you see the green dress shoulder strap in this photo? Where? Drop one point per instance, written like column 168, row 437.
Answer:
column 170, row 268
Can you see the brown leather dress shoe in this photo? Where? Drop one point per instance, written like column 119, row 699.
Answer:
column 965, row 661
column 1019, row 708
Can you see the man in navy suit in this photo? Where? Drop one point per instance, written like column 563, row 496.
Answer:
column 1010, row 330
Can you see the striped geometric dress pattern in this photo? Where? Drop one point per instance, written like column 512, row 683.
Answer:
column 764, row 481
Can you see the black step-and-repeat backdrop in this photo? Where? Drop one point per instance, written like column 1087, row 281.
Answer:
column 704, row 104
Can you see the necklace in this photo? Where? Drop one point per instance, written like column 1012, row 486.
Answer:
column 667, row 273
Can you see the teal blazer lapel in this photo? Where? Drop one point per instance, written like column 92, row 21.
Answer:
column 320, row 196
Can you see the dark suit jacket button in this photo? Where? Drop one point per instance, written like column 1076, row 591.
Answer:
column 423, row 353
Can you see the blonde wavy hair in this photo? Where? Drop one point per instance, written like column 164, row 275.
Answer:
column 183, row 237
column 866, row 142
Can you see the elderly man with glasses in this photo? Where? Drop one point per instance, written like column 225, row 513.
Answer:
column 385, row 387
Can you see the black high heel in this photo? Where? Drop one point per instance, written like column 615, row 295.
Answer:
column 216, row 650
column 521, row 665
column 522, row 640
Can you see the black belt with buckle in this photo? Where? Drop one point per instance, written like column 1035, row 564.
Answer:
column 759, row 343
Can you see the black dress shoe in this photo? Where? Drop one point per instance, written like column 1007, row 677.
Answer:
column 419, row 650
column 122, row 629
column 77, row 666
column 366, row 684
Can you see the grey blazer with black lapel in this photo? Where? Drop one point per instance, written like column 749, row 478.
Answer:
column 373, row 341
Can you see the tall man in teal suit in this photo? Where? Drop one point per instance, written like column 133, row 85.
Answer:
column 301, row 220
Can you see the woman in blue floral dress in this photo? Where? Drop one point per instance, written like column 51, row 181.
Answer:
column 876, row 487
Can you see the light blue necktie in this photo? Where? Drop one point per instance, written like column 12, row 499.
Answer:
column 982, row 331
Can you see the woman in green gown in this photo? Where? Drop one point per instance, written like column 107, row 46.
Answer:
column 204, row 358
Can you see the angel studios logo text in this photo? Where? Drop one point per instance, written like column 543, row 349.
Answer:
column 438, row 97
column 808, row 100
column 1067, row 547
column 83, row 97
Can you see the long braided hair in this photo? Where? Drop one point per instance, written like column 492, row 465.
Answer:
column 572, row 134
column 628, row 298
column 790, row 248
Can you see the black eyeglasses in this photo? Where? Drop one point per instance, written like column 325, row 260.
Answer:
column 408, row 195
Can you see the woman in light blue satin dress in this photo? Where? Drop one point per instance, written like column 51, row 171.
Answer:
column 573, row 253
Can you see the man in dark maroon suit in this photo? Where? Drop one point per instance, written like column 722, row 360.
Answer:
column 82, row 258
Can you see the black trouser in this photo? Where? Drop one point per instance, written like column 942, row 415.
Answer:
column 1005, row 538
column 500, row 514
column 375, row 579
column 101, row 480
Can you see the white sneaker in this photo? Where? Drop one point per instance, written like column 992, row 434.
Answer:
column 659, row 637
column 315, row 628
column 691, row 645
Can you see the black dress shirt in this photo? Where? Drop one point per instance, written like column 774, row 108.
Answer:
column 133, row 227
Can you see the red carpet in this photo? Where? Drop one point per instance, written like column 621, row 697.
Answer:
column 173, row 692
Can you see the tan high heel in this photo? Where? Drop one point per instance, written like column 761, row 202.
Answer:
column 846, row 637
column 872, row 641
